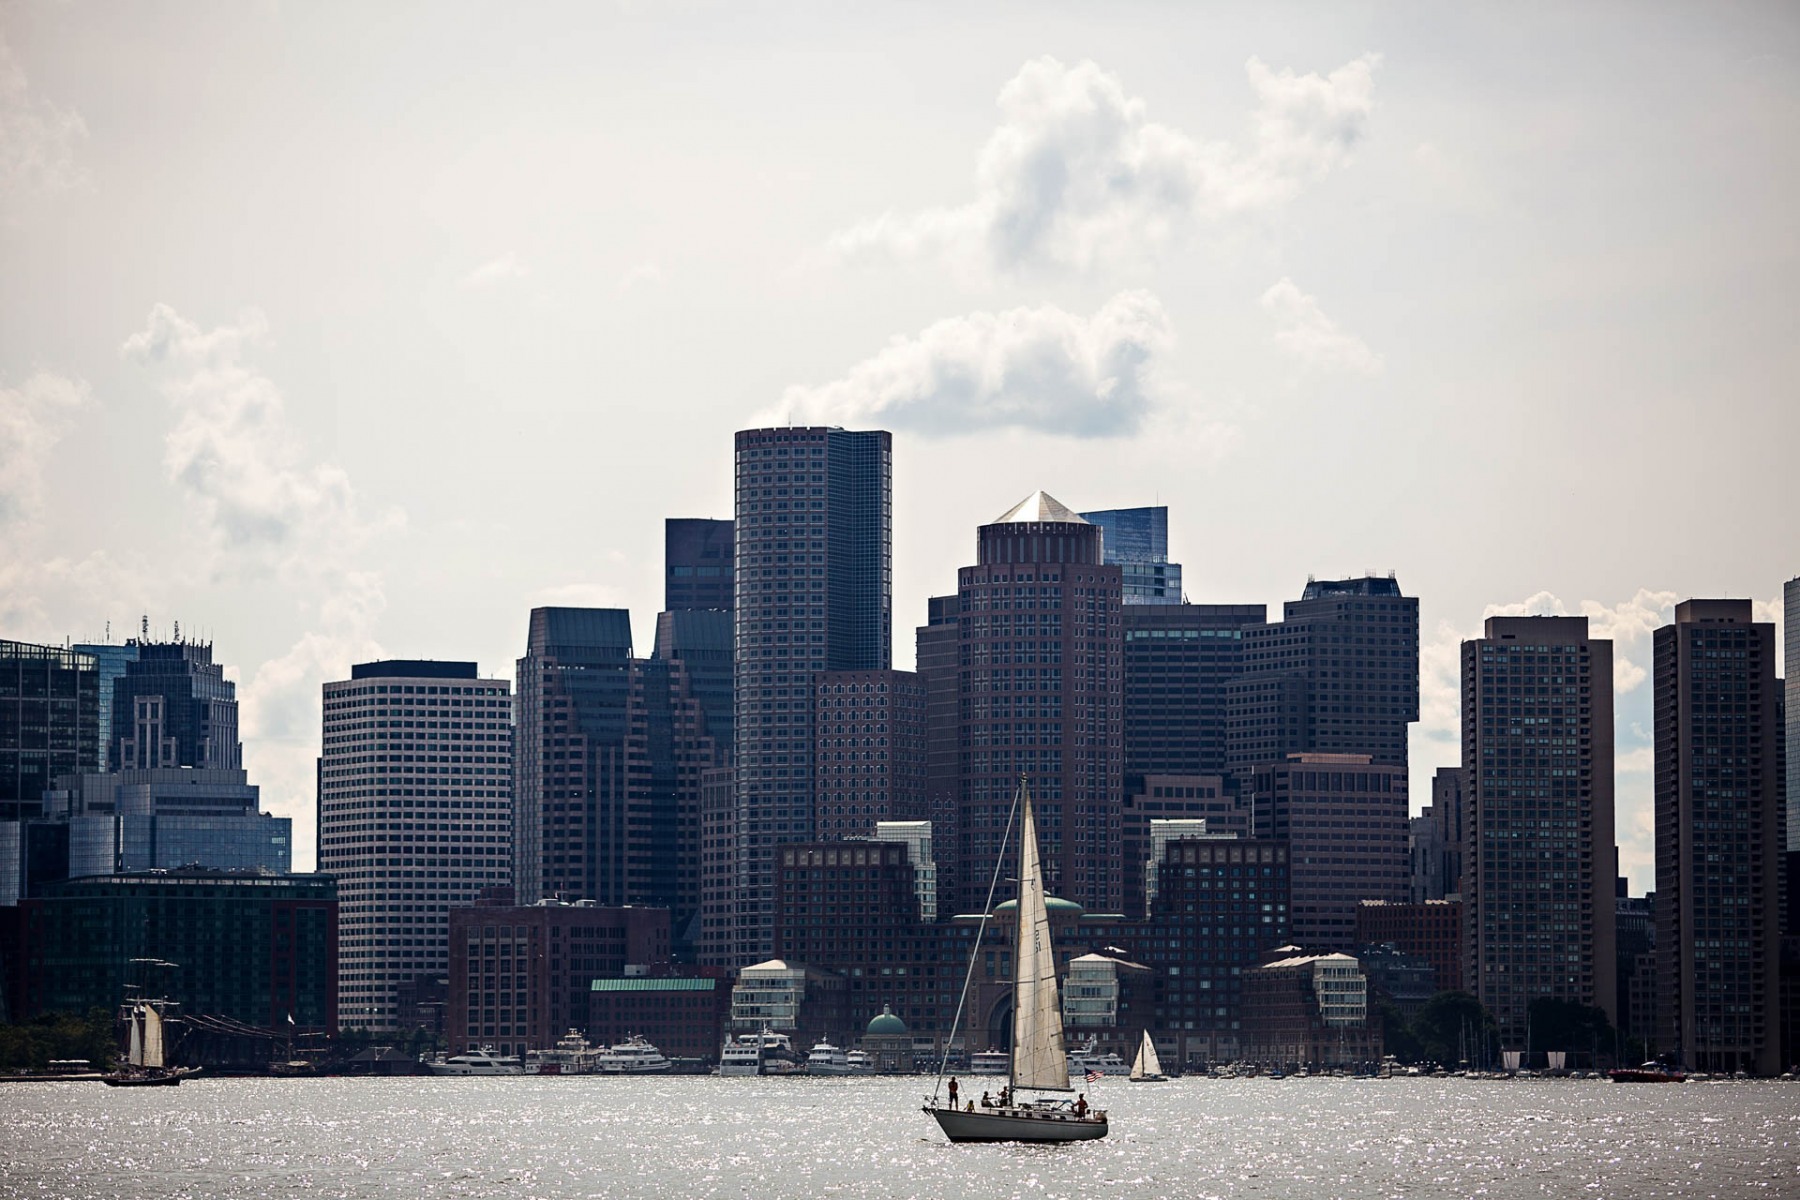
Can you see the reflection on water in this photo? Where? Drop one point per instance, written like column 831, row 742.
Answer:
column 772, row 1138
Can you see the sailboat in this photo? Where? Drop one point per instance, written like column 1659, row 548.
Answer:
column 1147, row 1068
column 144, row 1058
column 1039, row 1061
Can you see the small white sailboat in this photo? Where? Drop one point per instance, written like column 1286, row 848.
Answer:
column 1040, row 1062
column 1147, row 1068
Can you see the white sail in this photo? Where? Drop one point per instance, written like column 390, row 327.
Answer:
column 153, row 1037
column 1038, row 1058
column 135, row 1055
column 1147, row 1064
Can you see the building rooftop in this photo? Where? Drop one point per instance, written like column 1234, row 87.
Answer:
column 640, row 984
column 1040, row 506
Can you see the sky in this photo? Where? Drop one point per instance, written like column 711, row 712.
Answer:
column 339, row 331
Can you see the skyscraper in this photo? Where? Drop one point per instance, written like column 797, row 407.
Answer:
column 1179, row 658
column 415, row 807
column 1137, row 542
column 870, row 733
column 111, row 660
column 1436, row 839
column 697, row 564
column 1040, row 696
column 1790, row 636
column 1717, row 907
column 814, row 587
column 49, row 726
column 173, row 707
column 1537, row 708
column 935, row 660
column 1338, row 674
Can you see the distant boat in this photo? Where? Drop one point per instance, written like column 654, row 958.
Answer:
column 145, row 1063
column 633, row 1056
column 764, row 1053
column 1039, row 1061
column 1090, row 1058
column 477, row 1062
column 860, row 1062
column 827, row 1059
column 1147, row 1068
column 990, row 1062
column 1650, row 1072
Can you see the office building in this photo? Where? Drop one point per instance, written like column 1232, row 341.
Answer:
column 814, row 578
column 1040, row 696
column 1344, row 820
column 250, row 948
column 683, row 1016
column 1170, row 798
column 1717, row 838
column 1179, row 659
column 173, row 707
column 869, row 734
column 717, row 934
column 1790, row 637
column 697, row 564
column 1309, row 1010
column 935, row 660
column 1537, row 707
column 49, row 726
column 1431, row 930
column 415, row 818
column 1435, row 839
column 1137, row 542
column 1338, row 674
column 111, row 661
column 520, row 974
column 168, row 817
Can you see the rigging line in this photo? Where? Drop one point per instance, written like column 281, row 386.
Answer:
column 975, row 952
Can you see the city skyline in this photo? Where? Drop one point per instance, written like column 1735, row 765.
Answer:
column 339, row 447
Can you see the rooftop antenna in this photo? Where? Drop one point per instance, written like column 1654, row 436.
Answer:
column 177, row 636
column 109, row 632
column 146, row 631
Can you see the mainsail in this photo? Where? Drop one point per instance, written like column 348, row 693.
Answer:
column 135, row 1055
column 153, row 1037
column 1038, row 1058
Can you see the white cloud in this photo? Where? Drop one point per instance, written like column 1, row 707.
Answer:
column 1032, row 368
column 646, row 274
column 1629, row 625
column 1304, row 331
column 499, row 270
column 1076, row 175
column 37, row 139
column 266, row 510
column 33, row 418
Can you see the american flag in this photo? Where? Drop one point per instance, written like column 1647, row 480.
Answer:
column 1093, row 1076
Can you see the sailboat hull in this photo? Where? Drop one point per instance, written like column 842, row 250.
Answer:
column 1018, row 1125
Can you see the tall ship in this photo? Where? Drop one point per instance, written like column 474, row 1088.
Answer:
column 1039, row 1060
column 146, row 1062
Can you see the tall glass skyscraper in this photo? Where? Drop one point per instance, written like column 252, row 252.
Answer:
column 814, row 584
column 1137, row 542
column 112, row 661
column 173, row 707
column 1790, row 637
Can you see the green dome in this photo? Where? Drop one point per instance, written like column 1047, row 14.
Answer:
column 887, row 1024
column 1055, row 906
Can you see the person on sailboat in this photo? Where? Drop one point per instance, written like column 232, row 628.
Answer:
column 1081, row 1104
column 987, row 1101
column 953, row 1091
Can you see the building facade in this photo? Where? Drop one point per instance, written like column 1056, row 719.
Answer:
column 1186, row 798
column 1137, row 542
column 1039, row 695
column 1309, row 1010
column 173, row 707
column 415, row 817
column 168, row 817
column 1431, row 930
column 1435, row 839
column 697, row 564
column 814, row 579
column 683, row 1016
column 1537, row 707
column 111, row 660
column 1718, row 830
column 869, row 734
column 1344, row 819
column 936, row 662
column 49, row 726
column 1790, row 637
column 1179, row 660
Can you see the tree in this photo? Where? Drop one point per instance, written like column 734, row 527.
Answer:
column 1452, row 1025
column 1568, row 1025
column 1397, row 1038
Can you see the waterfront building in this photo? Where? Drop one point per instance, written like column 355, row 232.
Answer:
column 521, row 974
column 1137, row 542
column 814, row 585
column 683, row 1016
column 1537, row 708
column 802, row 1001
column 869, row 734
column 1309, row 1010
column 168, row 817
column 1338, row 674
column 1039, row 695
column 173, row 707
column 1179, row 660
column 1431, row 930
column 1718, row 807
column 1344, row 819
column 111, row 661
column 242, row 947
column 415, row 816
column 49, row 726
column 697, row 564
column 1435, row 839
column 1150, row 799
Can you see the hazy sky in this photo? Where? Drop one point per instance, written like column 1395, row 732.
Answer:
column 340, row 331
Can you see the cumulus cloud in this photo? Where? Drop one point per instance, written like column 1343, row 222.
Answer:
column 1076, row 174
column 1629, row 625
column 1305, row 332
column 37, row 139
column 496, row 271
column 33, row 418
column 267, row 510
column 1040, row 368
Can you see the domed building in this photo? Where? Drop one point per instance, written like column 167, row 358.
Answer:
column 889, row 1043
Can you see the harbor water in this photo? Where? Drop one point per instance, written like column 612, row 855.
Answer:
column 766, row 1139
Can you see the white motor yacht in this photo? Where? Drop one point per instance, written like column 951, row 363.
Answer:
column 572, row 1055
column 477, row 1062
column 764, row 1053
column 990, row 1062
column 1089, row 1058
column 861, row 1062
column 827, row 1059
column 633, row 1056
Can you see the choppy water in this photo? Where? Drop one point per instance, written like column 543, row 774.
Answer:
column 772, row 1138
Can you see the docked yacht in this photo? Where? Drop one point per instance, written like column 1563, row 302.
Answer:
column 827, row 1059
column 477, row 1062
column 860, row 1062
column 1089, row 1058
column 572, row 1055
column 633, row 1056
column 764, row 1053
column 990, row 1062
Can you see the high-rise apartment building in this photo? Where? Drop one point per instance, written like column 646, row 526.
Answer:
column 1344, row 819
column 814, row 587
column 1040, row 695
column 1537, row 708
column 173, row 707
column 1717, row 838
column 935, row 661
column 869, row 729
column 1790, row 636
column 415, row 818
column 1178, row 660
column 1338, row 674
column 697, row 564
column 1137, row 542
